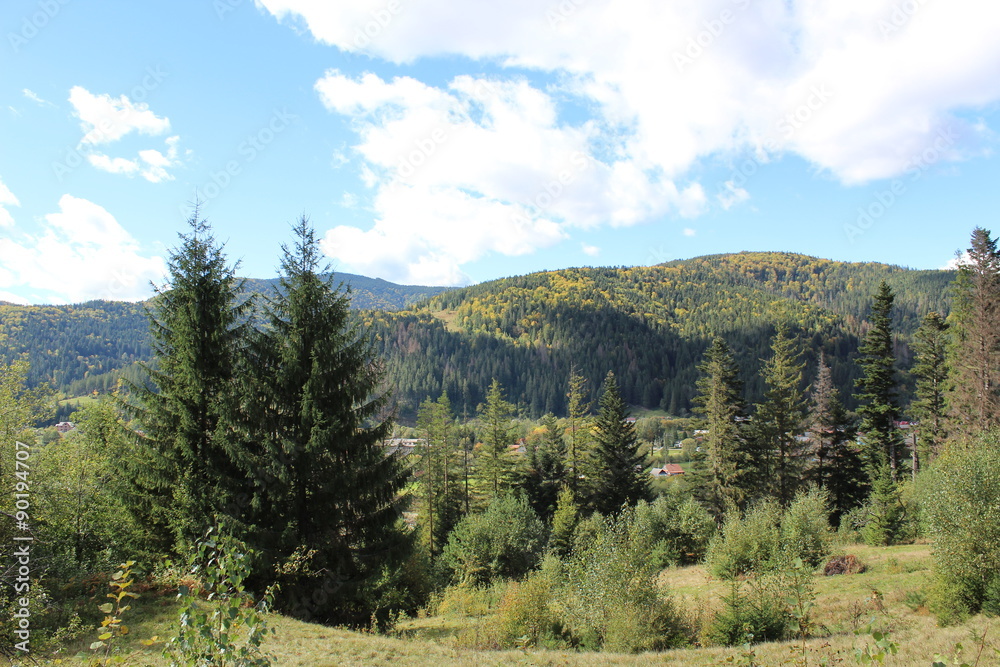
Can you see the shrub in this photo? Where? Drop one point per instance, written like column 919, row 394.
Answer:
column 805, row 527
column 747, row 543
column 505, row 541
column 963, row 508
column 753, row 611
column 524, row 615
column 678, row 528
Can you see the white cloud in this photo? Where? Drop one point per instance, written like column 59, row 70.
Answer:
column 33, row 96
column 689, row 232
column 7, row 198
column 81, row 253
column 105, row 119
column 730, row 195
column 957, row 262
column 857, row 87
column 439, row 204
column 591, row 250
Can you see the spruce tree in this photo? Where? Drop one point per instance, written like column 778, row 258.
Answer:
column 720, row 473
column 778, row 421
column 620, row 476
column 882, row 444
column 975, row 359
column 930, row 348
column 190, row 461
column 496, row 462
column 545, row 473
column 836, row 464
column 578, row 411
column 439, row 473
column 334, row 501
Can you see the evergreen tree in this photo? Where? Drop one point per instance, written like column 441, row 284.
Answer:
column 620, row 473
column 335, row 493
column 578, row 411
column 439, row 471
column 546, row 468
column 930, row 348
column 836, row 463
column 975, row 360
column 882, row 444
column 564, row 522
column 778, row 421
column 496, row 462
column 190, row 461
column 719, row 475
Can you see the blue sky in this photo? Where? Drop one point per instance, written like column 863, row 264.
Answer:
column 434, row 142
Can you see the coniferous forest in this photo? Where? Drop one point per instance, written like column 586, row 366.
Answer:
column 539, row 457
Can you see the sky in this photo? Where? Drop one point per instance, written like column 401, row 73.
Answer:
column 448, row 143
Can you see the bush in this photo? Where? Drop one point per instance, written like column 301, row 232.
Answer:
column 805, row 527
column 752, row 612
column 963, row 509
column 608, row 597
column 747, row 543
column 504, row 542
column 678, row 528
column 524, row 615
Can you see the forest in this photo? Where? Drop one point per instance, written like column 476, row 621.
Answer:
column 475, row 460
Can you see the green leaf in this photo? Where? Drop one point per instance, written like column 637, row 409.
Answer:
column 106, row 608
column 96, row 645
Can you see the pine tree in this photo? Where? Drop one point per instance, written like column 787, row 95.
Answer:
column 719, row 476
column 836, row 463
column 975, row 359
column 620, row 476
column 496, row 463
column 336, row 493
column 882, row 444
column 193, row 462
column 778, row 421
column 930, row 348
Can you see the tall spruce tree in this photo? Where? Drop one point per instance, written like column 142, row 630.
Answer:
column 190, row 461
column 778, row 421
column 930, row 348
column 836, row 464
column 578, row 415
column 335, row 494
column 877, row 391
column 496, row 462
column 546, row 468
column 720, row 474
column 975, row 359
column 620, row 476
column 440, row 474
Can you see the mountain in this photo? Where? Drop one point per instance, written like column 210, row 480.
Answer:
column 81, row 347
column 650, row 325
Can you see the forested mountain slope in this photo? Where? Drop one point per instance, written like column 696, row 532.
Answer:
column 648, row 324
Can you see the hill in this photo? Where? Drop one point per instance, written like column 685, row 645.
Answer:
column 650, row 325
column 81, row 347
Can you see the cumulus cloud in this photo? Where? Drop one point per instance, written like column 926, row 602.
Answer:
column 105, row 119
column 857, row 87
column 81, row 253
column 439, row 204
column 591, row 250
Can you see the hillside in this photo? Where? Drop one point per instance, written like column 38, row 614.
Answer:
column 649, row 325
column 81, row 347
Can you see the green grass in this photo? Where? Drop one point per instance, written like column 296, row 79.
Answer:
column 885, row 592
